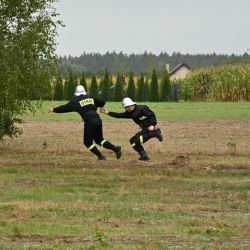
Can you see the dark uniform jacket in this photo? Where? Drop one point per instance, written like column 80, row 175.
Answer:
column 84, row 105
column 141, row 115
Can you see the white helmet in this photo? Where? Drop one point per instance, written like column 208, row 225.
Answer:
column 80, row 90
column 127, row 102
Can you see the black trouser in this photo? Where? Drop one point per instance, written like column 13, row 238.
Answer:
column 141, row 137
column 93, row 132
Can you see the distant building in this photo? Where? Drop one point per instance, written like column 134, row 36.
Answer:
column 179, row 72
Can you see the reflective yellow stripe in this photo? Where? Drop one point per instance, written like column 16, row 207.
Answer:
column 133, row 144
column 141, row 139
column 142, row 118
column 92, row 146
column 87, row 101
column 102, row 142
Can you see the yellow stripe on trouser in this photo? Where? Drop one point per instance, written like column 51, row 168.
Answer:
column 133, row 144
column 92, row 146
column 141, row 139
column 102, row 142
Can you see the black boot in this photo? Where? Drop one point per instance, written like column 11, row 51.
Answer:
column 97, row 152
column 102, row 158
column 158, row 134
column 144, row 156
column 118, row 152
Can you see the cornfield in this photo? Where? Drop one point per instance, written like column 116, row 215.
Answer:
column 224, row 83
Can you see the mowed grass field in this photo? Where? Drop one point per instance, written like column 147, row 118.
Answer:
column 193, row 194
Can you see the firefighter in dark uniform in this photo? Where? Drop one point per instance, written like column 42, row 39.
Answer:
column 145, row 118
column 86, row 107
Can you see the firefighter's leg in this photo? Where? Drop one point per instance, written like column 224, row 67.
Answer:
column 156, row 133
column 136, row 141
column 88, row 141
column 104, row 143
column 147, row 135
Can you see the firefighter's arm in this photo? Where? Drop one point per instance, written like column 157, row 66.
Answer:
column 119, row 115
column 104, row 111
column 69, row 107
column 115, row 114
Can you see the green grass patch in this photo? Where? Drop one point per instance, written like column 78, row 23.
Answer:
column 166, row 111
column 193, row 194
column 139, row 203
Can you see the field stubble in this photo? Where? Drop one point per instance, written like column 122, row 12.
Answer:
column 209, row 138
column 194, row 193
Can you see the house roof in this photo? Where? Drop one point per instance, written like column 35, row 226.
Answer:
column 178, row 67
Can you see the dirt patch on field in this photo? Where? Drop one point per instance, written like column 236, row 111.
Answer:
column 60, row 144
column 180, row 161
column 19, row 237
column 218, row 137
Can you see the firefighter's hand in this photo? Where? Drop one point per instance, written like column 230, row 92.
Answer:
column 151, row 128
column 104, row 111
column 51, row 110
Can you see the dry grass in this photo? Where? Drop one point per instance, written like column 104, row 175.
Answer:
column 193, row 194
column 216, row 138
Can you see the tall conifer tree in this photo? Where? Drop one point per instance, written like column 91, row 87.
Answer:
column 105, row 86
column 83, row 81
column 71, row 86
column 93, row 90
column 111, row 89
column 131, row 86
column 118, row 95
column 146, row 90
column 165, row 90
column 141, row 92
column 154, row 95
column 58, row 94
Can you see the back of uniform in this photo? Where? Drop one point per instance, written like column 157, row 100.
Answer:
column 84, row 105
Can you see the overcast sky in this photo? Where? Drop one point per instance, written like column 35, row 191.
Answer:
column 135, row 26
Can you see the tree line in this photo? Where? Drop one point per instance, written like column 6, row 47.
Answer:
column 146, row 62
column 223, row 83
column 114, row 88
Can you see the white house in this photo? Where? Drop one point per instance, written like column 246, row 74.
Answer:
column 179, row 72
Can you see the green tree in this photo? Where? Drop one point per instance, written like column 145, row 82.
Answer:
column 72, row 83
column 105, row 86
column 111, row 89
column 153, row 95
column 58, row 94
column 146, row 90
column 131, row 86
column 83, row 81
column 165, row 91
column 118, row 95
column 100, row 88
column 93, row 90
column 141, row 91
column 27, row 58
